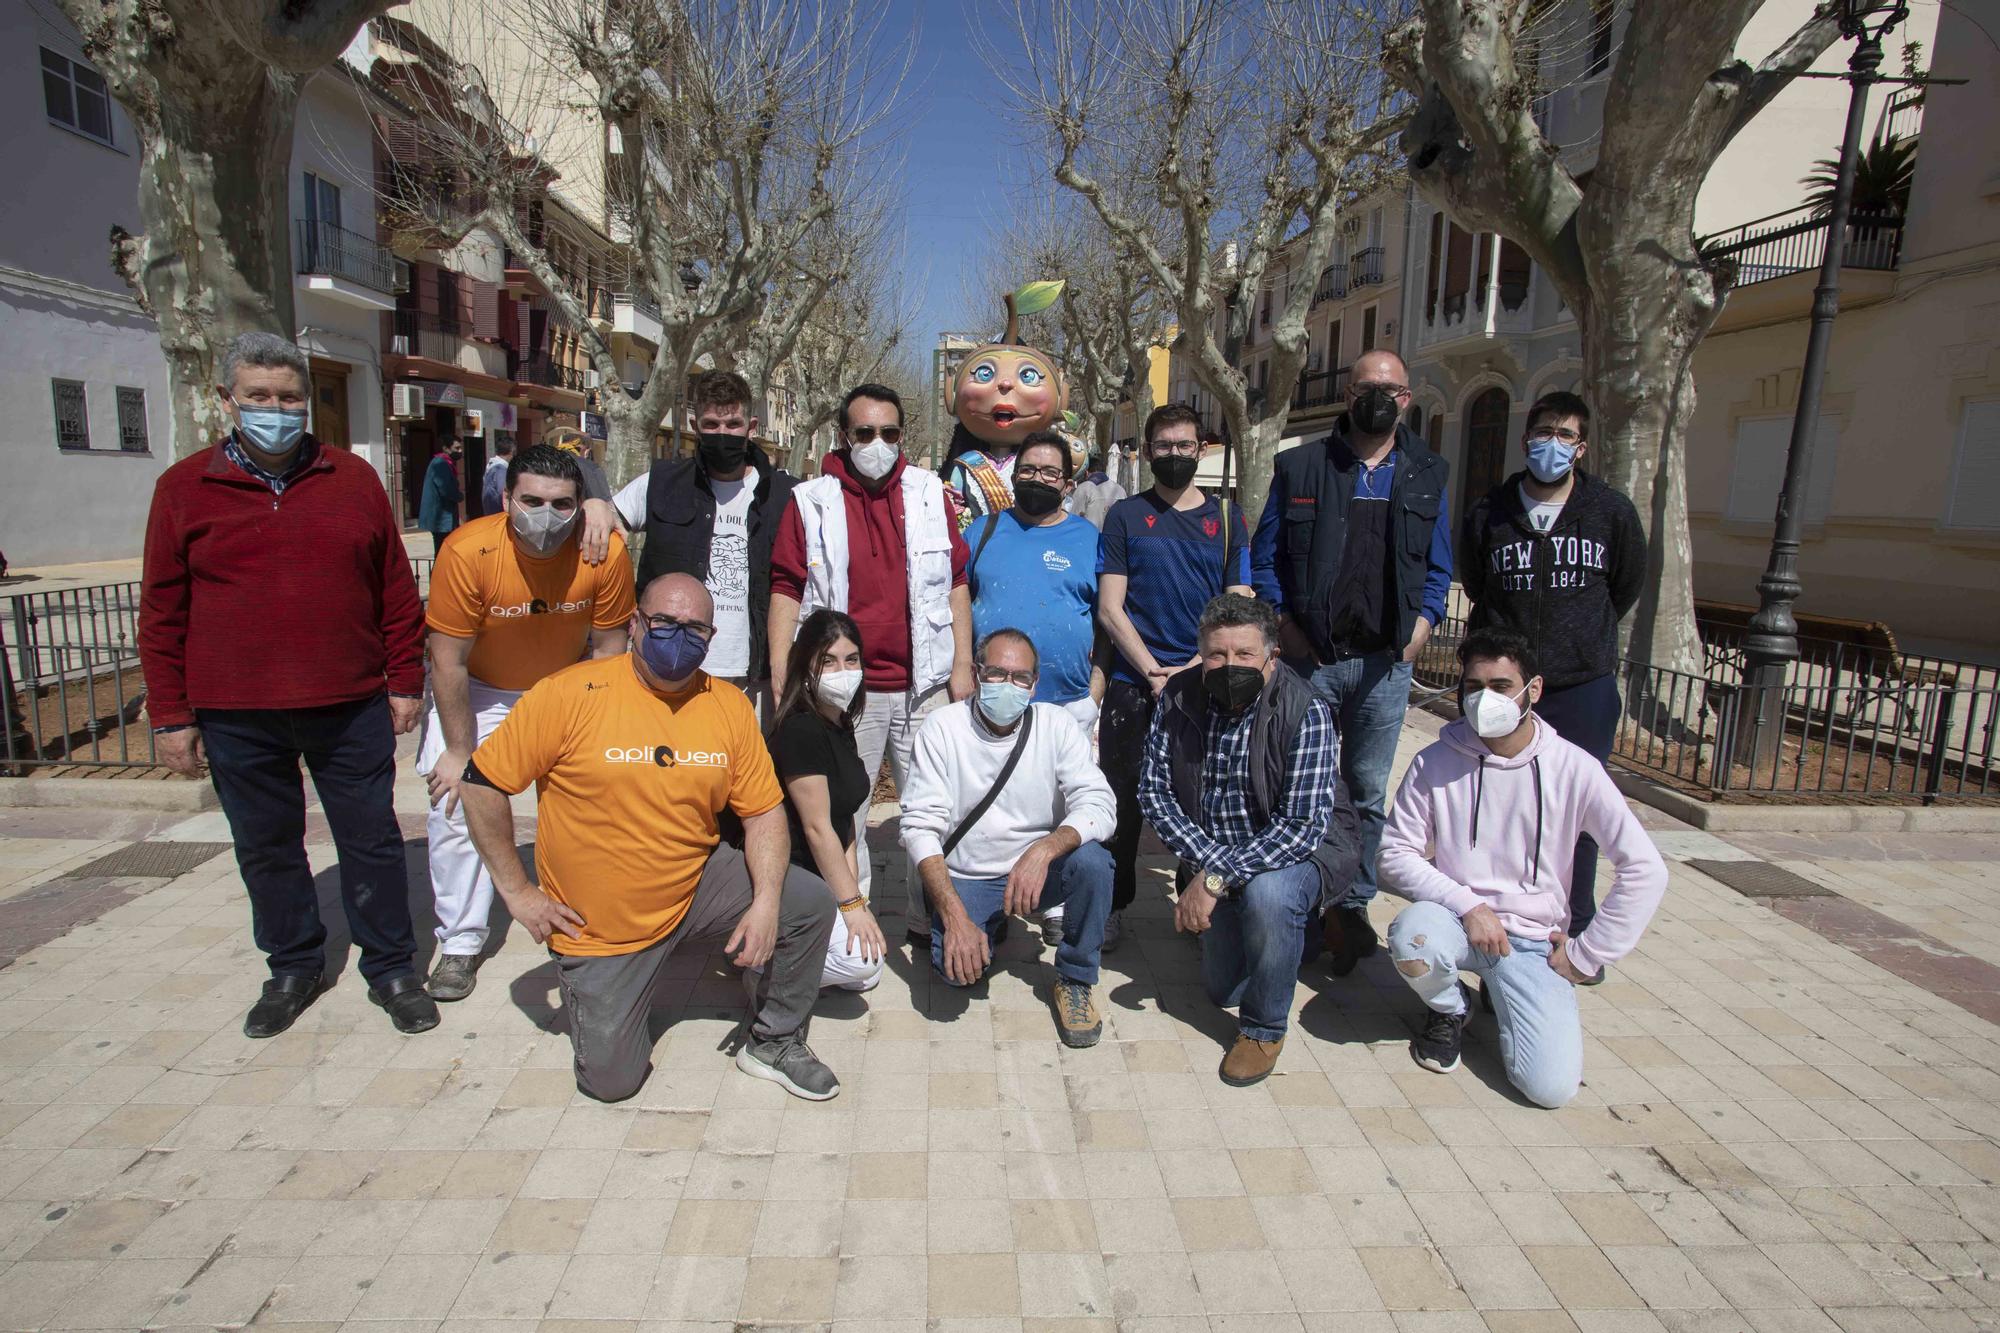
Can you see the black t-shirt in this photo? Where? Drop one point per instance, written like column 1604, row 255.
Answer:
column 1358, row 610
column 807, row 745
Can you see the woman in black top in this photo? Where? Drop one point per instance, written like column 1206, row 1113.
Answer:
column 826, row 786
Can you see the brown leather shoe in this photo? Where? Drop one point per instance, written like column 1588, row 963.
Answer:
column 1250, row 1061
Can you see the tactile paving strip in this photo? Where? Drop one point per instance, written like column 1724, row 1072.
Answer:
column 1761, row 879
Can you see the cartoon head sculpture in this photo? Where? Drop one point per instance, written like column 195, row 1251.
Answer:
column 1005, row 392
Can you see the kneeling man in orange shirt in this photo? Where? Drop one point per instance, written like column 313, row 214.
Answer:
column 633, row 760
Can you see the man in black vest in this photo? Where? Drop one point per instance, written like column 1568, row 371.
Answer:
column 713, row 516
column 1354, row 552
column 1242, row 780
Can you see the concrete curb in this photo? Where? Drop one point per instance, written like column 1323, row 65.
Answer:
column 108, row 793
column 1719, row 818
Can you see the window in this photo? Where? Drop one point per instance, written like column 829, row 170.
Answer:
column 1368, row 329
column 1601, row 14
column 1974, row 501
column 72, row 419
column 322, row 200
column 76, row 96
column 132, row 421
column 1761, row 444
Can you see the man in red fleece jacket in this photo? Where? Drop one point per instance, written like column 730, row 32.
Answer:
column 279, row 622
column 875, row 536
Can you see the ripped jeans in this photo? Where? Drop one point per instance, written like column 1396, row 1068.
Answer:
column 1541, row 1035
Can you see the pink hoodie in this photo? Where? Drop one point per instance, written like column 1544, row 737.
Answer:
column 1504, row 831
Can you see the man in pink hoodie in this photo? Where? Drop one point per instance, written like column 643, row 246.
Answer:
column 1480, row 841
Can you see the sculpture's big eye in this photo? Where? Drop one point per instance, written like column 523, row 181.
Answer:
column 1030, row 376
column 983, row 373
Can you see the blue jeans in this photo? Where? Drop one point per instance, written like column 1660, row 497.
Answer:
column 350, row 750
column 1541, row 1036
column 1250, row 952
column 1079, row 881
column 1369, row 696
column 1585, row 715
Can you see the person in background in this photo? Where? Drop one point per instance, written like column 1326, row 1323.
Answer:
column 1005, row 815
column 1161, row 559
column 874, row 537
column 826, row 789
column 1481, row 841
column 511, row 602
column 1095, row 494
column 1242, row 781
column 438, row 512
column 595, row 487
column 279, row 623
column 1354, row 552
column 493, row 485
column 1559, row 556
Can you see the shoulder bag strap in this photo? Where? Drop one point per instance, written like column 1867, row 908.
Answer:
column 992, row 525
column 992, row 793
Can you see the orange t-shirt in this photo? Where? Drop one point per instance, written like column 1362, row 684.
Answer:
column 529, row 616
column 629, row 785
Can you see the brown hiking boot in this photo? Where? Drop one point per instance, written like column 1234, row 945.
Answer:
column 1077, row 1020
column 1250, row 1061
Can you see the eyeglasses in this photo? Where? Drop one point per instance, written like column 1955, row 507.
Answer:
column 1054, row 475
column 993, row 675
column 1185, row 448
column 661, row 624
column 868, row 434
column 1397, row 390
column 1555, row 433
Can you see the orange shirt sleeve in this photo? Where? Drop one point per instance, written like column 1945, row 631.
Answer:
column 528, row 742
column 456, row 606
column 615, row 592
column 753, row 781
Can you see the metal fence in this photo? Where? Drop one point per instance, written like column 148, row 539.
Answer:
column 1795, row 241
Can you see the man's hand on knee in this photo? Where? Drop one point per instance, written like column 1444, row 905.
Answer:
column 967, row 951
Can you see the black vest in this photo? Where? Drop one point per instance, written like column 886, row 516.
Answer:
column 1317, row 480
column 680, row 524
column 1281, row 711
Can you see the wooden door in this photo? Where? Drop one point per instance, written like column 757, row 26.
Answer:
column 1485, row 446
column 329, row 414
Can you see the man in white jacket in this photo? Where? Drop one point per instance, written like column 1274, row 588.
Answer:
column 1036, row 844
column 1480, row 840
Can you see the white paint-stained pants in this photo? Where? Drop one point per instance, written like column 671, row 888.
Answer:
column 460, row 885
column 888, row 724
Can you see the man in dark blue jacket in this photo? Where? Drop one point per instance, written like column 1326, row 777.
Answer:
column 1354, row 551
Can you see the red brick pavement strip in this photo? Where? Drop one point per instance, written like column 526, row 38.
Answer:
column 1929, row 964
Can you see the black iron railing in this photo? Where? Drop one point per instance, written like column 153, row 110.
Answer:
column 336, row 252
column 1332, row 284
column 441, row 337
column 1795, row 242
column 1367, row 266
column 544, row 370
column 1320, row 388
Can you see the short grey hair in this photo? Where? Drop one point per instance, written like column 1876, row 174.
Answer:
column 1008, row 632
column 263, row 349
column 1230, row 610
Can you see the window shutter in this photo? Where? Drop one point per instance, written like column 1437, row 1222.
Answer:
column 485, row 311
column 1759, row 472
column 1974, row 501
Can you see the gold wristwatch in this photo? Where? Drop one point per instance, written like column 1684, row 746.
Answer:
column 1214, row 883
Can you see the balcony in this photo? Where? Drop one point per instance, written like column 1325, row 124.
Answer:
column 550, row 374
column 434, row 337
column 1367, row 267
column 1321, row 388
column 1332, row 284
column 345, row 266
column 635, row 317
column 1463, row 317
column 1778, row 258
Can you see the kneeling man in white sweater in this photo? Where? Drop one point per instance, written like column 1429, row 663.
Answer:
column 1006, row 815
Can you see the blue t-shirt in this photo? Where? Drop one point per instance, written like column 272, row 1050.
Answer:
column 1043, row 582
column 1172, row 560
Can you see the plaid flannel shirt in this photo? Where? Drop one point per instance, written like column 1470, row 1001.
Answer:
column 308, row 451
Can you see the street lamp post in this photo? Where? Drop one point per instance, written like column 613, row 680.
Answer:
column 1772, row 643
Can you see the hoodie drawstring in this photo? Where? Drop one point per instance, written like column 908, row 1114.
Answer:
column 1478, row 788
column 1534, row 865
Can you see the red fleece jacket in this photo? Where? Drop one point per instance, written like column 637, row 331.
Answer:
column 254, row 600
column 878, row 581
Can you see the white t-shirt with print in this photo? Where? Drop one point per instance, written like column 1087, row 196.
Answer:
column 729, row 576
column 1542, row 514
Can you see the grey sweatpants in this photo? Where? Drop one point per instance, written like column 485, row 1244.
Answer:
column 606, row 998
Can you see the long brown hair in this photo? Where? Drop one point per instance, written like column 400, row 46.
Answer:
column 821, row 630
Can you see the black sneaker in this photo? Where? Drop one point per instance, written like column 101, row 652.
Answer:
column 283, row 1000
column 1436, row 1047
column 1349, row 937
column 409, row 1005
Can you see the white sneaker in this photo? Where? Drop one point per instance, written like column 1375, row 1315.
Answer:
column 1114, row 931
column 1052, row 926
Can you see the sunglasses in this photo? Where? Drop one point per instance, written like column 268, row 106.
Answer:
column 868, row 434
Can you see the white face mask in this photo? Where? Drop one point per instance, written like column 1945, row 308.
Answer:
column 1493, row 714
column 875, row 459
column 541, row 528
column 837, row 687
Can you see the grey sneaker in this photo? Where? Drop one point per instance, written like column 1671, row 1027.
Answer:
column 789, row 1063
column 1114, row 931
column 453, row 976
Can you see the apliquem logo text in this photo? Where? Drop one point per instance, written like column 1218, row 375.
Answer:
column 538, row 607
column 665, row 756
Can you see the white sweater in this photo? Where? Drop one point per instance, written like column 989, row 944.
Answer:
column 953, row 764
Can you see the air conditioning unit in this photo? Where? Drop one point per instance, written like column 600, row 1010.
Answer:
column 591, row 379
column 406, row 401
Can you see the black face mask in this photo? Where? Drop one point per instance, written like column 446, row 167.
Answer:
column 1233, row 688
column 1373, row 412
column 1037, row 499
column 721, row 451
column 1174, row 471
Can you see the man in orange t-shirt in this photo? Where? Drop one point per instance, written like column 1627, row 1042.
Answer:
column 633, row 761
column 511, row 603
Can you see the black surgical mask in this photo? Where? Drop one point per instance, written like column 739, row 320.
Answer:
column 1174, row 471
column 722, row 451
column 1235, row 688
column 1036, row 498
column 1373, row 411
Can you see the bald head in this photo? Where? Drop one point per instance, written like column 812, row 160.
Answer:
column 681, row 596
column 1380, row 366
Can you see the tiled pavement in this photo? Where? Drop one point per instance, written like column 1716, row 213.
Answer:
column 1774, row 1134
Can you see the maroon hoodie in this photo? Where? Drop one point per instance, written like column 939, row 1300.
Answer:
column 878, row 581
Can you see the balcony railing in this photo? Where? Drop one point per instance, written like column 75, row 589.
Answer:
column 1332, row 284
column 1367, row 266
column 1320, row 388
column 439, row 337
column 543, row 370
column 335, row 252
column 1795, row 241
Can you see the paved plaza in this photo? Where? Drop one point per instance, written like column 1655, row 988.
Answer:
column 1776, row 1132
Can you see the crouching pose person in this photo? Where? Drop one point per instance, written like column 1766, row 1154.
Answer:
column 1481, row 839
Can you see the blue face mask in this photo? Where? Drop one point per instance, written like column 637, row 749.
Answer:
column 672, row 653
column 1002, row 702
column 270, row 430
column 1549, row 459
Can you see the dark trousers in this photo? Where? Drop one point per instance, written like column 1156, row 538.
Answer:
column 1585, row 715
column 350, row 750
column 1121, row 752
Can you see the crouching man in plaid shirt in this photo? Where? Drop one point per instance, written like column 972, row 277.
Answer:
column 1242, row 779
